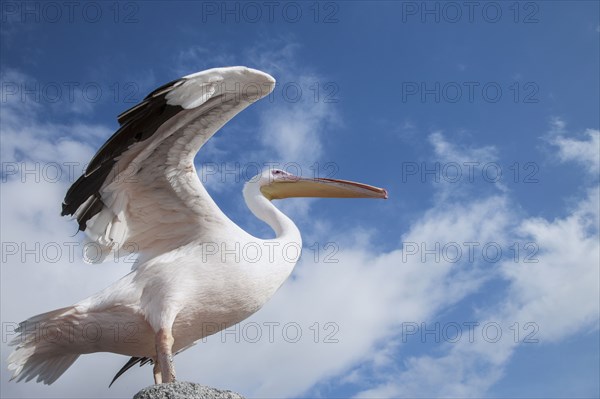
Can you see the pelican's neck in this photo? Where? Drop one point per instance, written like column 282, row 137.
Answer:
column 263, row 209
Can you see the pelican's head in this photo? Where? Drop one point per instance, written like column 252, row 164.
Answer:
column 279, row 184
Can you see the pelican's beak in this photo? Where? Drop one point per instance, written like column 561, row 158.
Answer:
column 294, row 186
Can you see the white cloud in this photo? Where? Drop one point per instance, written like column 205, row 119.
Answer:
column 296, row 115
column 461, row 167
column 292, row 128
column 365, row 295
column 584, row 152
column 557, row 126
column 552, row 292
column 446, row 151
column 293, row 124
column 41, row 256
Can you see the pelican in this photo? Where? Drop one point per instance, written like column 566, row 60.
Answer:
column 141, row 192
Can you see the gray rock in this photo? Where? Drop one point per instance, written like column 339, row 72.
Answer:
column 184, row 390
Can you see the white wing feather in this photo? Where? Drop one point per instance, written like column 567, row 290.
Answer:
column 155, row 201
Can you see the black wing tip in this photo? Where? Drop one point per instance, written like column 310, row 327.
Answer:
column 130, row 363
column 137, row 124
column 124, row 116
column 166, row 87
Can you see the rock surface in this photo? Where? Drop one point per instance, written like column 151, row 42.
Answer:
column 184, row 390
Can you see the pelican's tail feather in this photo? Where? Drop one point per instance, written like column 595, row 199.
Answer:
column 42, row 347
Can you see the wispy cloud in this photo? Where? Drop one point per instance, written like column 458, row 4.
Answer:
column 553, row 294
column 296, row 116
column 40, row 159
column 292, row 128
column 581, row 148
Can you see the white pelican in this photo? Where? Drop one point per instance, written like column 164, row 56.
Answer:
column 141, row 191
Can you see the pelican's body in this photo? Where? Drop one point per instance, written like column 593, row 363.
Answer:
column 197, row 272
column 213, row 282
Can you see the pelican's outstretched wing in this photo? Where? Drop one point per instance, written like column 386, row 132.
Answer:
column 141, row 192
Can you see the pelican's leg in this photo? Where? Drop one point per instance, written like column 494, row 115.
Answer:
column 157, row 373
column 164, row 355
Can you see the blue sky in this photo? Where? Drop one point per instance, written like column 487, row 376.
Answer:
column 481, row 122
